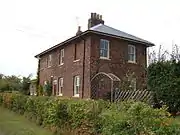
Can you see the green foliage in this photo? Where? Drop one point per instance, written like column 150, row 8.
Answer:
column 137, row 118
column 15, row 83
column 25, row 85
column 47, row 89
column 164, row 80
column 37, row 77
column 91, row 117
column 127, row 83
column 3, row 85
column 10, row 83
column 40, row 90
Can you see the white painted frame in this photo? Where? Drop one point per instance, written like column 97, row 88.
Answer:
column 102, row 57
column 132, row 53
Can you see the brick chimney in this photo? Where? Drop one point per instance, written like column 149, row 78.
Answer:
column 95, row 20
column 79, row 31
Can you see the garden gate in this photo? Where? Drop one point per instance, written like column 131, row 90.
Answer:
column 103, row 86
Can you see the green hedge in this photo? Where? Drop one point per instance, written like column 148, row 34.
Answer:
column 91, row 117
column 164, row 80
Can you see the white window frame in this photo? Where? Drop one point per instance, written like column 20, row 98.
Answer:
column 60, row 86
column 49, row 60
column 103, row 57
column 133, row 53
column 61, row 57
column 76, row 85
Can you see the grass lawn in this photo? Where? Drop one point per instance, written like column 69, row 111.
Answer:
column 14, row 124
column 177, row 120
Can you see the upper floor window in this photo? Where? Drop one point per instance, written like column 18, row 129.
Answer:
column 60, row 86
column 104, row 49
column 61, row 57
column 131, row 53
column 49, row 60
column 41, row 63
column 76, row 86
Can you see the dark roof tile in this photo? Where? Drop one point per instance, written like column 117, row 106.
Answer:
column 109, row 30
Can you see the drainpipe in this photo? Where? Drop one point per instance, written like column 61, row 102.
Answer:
column 84, row 51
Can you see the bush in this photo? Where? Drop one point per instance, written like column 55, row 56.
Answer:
column 137, row 118
column 164, row 80
column 91, row 117
column 47, row 89
column 40, row 90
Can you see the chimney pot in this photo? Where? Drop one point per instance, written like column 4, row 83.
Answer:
column 98, row 16
column 92, row 14
column 95, row 20
column 79, row 30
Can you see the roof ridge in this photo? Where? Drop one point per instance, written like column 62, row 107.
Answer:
column 96, row 26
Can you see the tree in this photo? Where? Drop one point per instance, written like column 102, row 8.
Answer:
column 48, row 89
column 1, row 76
column 13, row 83
column 3, row 85
column 164, row 80
column 26, row 81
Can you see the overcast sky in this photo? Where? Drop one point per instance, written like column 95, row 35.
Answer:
column 28, row 27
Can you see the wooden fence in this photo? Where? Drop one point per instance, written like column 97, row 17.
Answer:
column 139, row 95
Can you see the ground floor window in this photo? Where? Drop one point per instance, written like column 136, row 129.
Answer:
column 60, row 86
column 76, row 86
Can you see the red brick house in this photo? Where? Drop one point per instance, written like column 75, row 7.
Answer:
column 72, row 65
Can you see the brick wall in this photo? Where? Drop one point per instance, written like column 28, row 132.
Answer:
column 118, row 62
column 70, row 67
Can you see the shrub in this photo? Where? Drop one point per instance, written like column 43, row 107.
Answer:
column 137, row 119
column 91, row 117
column 40, row 90
column 164, row 80
column 47, row 89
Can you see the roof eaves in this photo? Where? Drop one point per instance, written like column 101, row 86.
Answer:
column 62, row 43
column 148, row 44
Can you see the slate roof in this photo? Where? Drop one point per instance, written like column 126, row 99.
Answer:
column 112, row 31
column 102, row 30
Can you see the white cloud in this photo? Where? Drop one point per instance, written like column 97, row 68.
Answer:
column 28, row 27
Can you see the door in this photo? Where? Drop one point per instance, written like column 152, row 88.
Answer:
column 55, row 87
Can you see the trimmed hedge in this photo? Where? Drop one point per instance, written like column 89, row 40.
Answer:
column 91, row 117
column 163, row 81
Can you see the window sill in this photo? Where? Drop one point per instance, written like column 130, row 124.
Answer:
column 76, row 95
column 60, row 95
column 61, row 64
column 33, row 94
column 76, row 60
column 41, row 69
column 132, row 62
column 104, row 58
